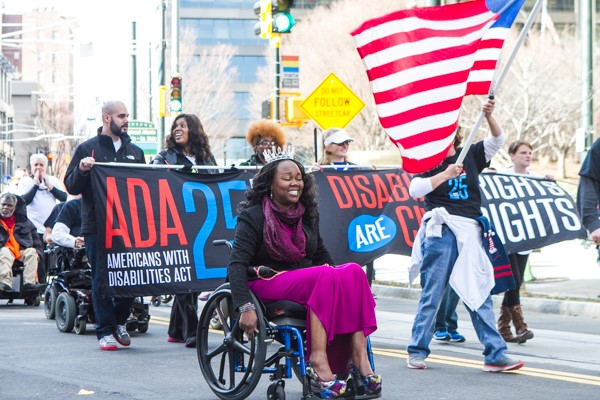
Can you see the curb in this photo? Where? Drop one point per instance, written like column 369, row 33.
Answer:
column 547, row 306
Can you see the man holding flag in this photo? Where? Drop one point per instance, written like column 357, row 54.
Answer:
column 453, row 246
column 421, row 62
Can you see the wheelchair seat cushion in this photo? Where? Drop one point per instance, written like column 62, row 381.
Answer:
column 285, row 309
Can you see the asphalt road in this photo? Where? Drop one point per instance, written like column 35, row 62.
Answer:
column 39, row 362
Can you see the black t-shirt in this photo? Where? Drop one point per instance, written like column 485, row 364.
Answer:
column 70, row 215
column 51, row 220
column 459, row 196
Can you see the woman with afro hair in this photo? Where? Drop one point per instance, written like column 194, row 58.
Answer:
column 263, row 135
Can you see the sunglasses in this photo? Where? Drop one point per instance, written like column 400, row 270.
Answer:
column 266, row 143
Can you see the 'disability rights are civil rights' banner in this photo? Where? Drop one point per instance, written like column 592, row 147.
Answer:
column 156, row 226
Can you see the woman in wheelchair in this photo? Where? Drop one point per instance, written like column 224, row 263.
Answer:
column 278, row 254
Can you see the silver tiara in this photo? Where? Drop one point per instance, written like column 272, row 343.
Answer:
column 279, row 153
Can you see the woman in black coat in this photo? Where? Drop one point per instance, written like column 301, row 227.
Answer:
column 186, row 145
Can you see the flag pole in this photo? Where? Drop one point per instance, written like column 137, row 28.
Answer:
column 499, row 78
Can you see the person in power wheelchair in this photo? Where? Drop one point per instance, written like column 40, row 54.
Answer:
column 278, row 254
column 18, row 241
column 68, row 297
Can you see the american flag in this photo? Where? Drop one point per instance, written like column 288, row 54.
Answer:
column 421, row 62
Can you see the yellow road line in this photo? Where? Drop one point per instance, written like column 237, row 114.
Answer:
column 527, row 371
column 159, row 320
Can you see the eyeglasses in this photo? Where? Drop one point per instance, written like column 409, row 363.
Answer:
column 346, row 143
column 265, row 143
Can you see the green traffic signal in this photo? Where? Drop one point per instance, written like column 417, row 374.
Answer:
column 283, row 22
column 176, row 102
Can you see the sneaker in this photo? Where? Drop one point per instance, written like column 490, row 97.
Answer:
column 172, row 339
column 441, row 335
column 108, row 343
column 415, row 362
column 122, row 336
column 215, row 323
column 456, row 337
column 503, row 364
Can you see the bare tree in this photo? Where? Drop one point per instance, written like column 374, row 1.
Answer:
column 209, row 80
column 57, row 118
column 540, row 99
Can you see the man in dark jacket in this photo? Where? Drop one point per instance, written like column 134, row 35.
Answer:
column 112, row 144
column 18, row 241
column 588, row 193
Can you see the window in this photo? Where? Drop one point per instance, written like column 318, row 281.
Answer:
column 238, row 32
column 247, row 67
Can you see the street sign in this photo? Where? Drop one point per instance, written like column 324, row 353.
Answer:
column 144, row 135
column 290, row 72
column 332, row 104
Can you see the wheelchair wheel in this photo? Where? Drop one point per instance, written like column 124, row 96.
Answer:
column 142, row 327
column 165, row 298
column 276, row 390
column 80, row 325
column 66, row 312
column 156, row 301
column 33, row 301
column 230, row 364
column 50, row 295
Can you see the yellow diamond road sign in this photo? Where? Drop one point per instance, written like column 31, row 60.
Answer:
column 332, row 104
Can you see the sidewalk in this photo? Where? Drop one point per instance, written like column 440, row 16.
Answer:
column 567, row 280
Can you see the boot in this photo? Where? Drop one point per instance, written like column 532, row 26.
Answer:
column 504, row 325
column 523, row 334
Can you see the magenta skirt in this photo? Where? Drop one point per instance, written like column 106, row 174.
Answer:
column 339, row 296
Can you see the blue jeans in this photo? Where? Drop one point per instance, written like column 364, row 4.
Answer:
column 439, row 255
column 109, row 312
column 446, row 318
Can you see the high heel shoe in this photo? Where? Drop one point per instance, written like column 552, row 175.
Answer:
column 327, row 389
column 371, row 384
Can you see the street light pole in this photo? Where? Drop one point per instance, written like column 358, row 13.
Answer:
column 133, row 72
column 162, row 72
column 587, row 68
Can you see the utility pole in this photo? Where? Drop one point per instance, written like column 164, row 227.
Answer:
column 276, row 44
column 133, row 71
column 162, row 72
column 150, row 89
column 586, row 21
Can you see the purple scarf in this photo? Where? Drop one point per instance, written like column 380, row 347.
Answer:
column 280, row 244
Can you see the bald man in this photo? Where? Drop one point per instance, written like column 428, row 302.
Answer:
column 111, row 144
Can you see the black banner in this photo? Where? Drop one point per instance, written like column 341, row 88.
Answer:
column 156, row 228
column 157, row 225
column 366, row 214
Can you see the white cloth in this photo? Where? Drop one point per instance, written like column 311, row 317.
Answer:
column 41, row 206
column 61, row 235
column 472, row 276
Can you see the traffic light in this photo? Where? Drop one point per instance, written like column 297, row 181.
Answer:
column 50, row 158
column 263, row 28
column 176, row 102
column 283, row 21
